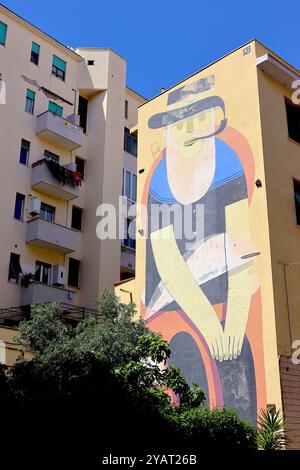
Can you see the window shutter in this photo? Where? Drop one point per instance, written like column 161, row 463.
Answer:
column 55, row 108
column 35, row 48
column 59, row 63
column 30, row 94
column 3, row 31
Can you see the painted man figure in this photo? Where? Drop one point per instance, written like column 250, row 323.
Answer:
column 210, row 283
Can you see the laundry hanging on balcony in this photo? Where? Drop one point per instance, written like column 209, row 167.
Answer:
column 62, row 174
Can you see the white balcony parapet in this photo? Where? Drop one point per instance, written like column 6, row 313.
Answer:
column 40, row 232
column 59, row 131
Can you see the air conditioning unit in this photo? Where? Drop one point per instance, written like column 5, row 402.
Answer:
column 34, row 206
column 71, row 166
column 58, row 275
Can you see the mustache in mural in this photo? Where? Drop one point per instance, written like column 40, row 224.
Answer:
column 207, row 260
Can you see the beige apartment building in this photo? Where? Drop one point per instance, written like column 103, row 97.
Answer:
column 65, row 148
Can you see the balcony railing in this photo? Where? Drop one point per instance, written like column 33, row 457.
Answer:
column 56, row 181
column 40, row 232
column 59, row 131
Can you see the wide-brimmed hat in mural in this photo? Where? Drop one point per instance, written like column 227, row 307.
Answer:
column 175, row 114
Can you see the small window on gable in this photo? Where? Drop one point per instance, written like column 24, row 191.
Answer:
column 126, row 109
column 293, row 120
column 91, row 62
column 35, row 53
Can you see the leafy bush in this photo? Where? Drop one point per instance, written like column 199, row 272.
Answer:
column 102, row 385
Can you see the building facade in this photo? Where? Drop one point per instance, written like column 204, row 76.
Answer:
column 65, row 149
column 218, row 237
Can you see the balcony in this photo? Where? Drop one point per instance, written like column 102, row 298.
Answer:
column 43, row 181
column 37, row 293
column 59, row 131
column 40, row 232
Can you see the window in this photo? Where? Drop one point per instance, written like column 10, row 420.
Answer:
column 91, row 62
column 297, row 200
column 129, row 239
column 14, row 267
column 293, row 118
column 47, row 212
column 55, row 108
column 59, row 68
column 73, row 274
column 30, row 98
column 35, row 53
column 126, row 109
column 51, row 156
column 42, row 272
column 129, row 185
column 24, row 152
column 80, row 165
column 130, row 142
column 76, row 218
column 3, row 31
column 19, row 206
column 82, row 111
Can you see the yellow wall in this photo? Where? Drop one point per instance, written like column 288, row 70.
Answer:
column 237, row 84
column 281, row 160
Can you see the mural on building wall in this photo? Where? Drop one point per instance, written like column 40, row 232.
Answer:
column 204, row 296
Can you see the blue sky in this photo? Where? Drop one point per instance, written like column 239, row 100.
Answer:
column 165, row 41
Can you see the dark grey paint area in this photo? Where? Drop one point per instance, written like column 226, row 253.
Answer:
column 238, row 383
column 186, row 356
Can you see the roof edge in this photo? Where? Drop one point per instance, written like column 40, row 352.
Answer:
column 6, row 11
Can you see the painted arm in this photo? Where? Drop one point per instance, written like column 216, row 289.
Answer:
column 184, row 289
column 240, row 283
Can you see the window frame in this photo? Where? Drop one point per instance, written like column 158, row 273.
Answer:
column 289, row 106
column 57, row 71
column 133, row 177
column 35, row 56
column 14, row 278
column 79, row 209
column 70, row 280
column 43, row 265
column 27, row 152
column 30, row 100
column 130, row 143
column 47, row 209
column 83, row 107
column 22, row 208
